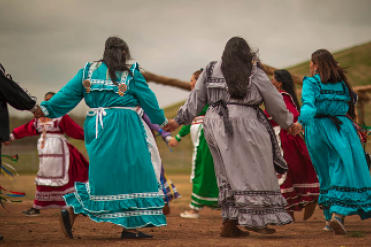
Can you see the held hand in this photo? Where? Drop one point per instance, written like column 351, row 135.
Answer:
column 171, row 126
column 7, row 143
column 173, row 142
column 39, row 113
column 295, row 129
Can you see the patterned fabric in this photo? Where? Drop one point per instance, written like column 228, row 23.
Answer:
column 120, row 161
column 300, row 184
column 61, row 164
column 337, row 155
column 244, row 162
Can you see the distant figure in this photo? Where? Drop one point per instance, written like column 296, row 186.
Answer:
column 205, row 190
column 61, row 164
column 241, row 139
column 299, row 185
column 333, row 144
column 122, row 187
column 14, row 95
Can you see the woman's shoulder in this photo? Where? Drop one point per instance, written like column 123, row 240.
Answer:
column 313, row 81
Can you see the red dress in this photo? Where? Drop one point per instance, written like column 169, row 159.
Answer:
column 61, row 164
column 300, row 184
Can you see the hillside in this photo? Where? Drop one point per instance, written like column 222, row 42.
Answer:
column 357, row 59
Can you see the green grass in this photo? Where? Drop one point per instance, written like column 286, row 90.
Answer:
column 356, row 234
column 357, row 59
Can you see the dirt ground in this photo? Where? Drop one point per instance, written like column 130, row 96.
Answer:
column 19, row 230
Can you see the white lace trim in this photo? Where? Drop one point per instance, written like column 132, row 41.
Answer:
column 164, row 123
column 128, row 214
column 45, row 111
column 205, row 198
column 121, row 196
column 306, row 185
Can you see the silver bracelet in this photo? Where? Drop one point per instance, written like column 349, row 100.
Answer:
column 34, row 109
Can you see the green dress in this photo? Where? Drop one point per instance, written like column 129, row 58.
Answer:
column 122, row 187
column 205, row 190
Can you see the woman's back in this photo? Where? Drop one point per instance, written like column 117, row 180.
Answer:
column 102, row 92
column 323, row 99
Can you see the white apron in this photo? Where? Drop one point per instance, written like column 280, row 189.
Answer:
column 54, row 155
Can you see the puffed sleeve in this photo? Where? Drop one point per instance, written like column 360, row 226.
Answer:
column 308, row 109
column 25, row 130
column 66, row 99
column 273, row 101
column 196, row 101
column 13, row 94
column 71, row 128
column 147, row 99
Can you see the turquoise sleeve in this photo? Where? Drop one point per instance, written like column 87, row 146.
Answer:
column 66, row 99
column 147, row 99
column 308, row 109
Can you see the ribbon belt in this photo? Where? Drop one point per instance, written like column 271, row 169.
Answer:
column 334, row 119
column 100, row 112
column 224, row 112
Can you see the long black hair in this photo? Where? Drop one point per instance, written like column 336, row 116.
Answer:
column 237, row 66
column 331, row 72
column 288, row 85
column 116, row 54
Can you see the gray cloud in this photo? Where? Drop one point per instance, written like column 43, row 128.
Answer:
column 44, row 43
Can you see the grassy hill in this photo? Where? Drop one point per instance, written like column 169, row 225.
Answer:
column 357, row 59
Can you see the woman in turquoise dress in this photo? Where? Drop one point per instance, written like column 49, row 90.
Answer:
column 333, row 144
column 122, row 187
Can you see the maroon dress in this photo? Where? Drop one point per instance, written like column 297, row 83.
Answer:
column 61, row 164
column 300, row 184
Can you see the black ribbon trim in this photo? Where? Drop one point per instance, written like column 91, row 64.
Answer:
column 334, row 119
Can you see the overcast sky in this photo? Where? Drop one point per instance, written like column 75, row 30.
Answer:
column 43, row 43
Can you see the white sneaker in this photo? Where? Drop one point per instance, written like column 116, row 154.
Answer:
column 187, row 214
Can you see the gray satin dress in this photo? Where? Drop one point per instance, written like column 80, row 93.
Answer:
column 245, row 161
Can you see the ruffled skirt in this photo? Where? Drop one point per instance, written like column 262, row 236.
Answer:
column 245, row 169
column 130, row 211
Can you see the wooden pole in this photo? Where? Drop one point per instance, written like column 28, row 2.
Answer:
column 362, row 91
column 163, row 80
column 363, row 99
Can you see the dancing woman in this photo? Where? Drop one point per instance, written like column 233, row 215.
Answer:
column 204, row 186
column 241, row 139
column 122, row 187
column 299, row 185
column 332, row 141
column 61, row 164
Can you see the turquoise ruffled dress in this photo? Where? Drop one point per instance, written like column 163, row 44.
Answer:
column 122, row 187
column 337, row 155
